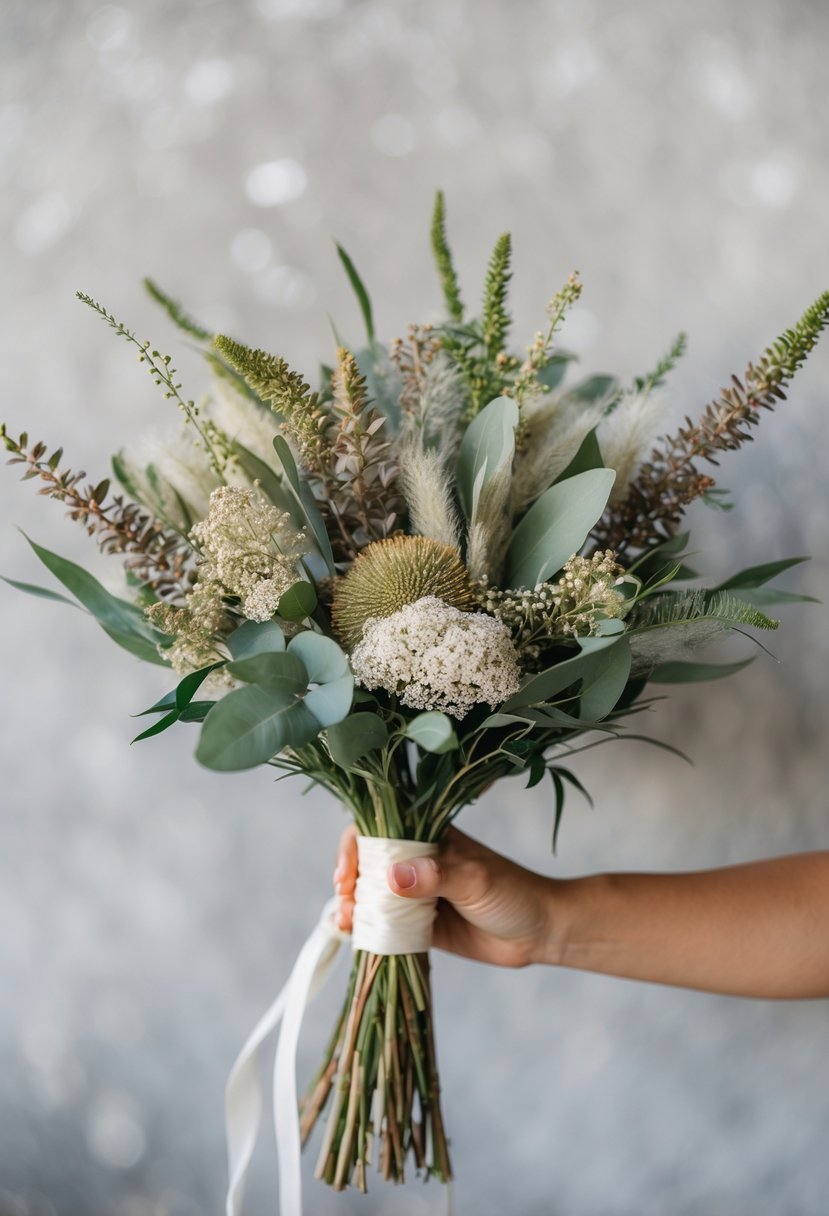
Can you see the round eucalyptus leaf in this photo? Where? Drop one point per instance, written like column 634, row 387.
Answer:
column 274, row 671
column 250, row 726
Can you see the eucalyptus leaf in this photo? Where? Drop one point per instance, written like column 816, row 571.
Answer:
column 250, row 726
column 328, row 668
column 488, row 446
column 603, row 684
column 593, row 389
column 305, row 509
column 770, row 597
column 355, row 737
column 275, row 672
column 256, row 637
column 324, row 660
column 329, row 703
column 756, row 576
column 556, row 526
column 555, row 369
column 269, row 481
column 588, row 457
column 41, row 592
column 541, row 688
column 298, row 602
column 124, row 622
column 691, row 673
column 433, row 731
column 138, row 646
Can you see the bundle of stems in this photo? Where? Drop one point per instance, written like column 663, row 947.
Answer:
column 382, row 1068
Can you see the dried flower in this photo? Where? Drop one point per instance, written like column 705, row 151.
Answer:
column 198, row 628
column 392, row 573
column 588, row 592
column 250, row 549
column 434, row 656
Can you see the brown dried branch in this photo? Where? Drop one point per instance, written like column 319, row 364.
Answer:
column 160, row 559
column 670, row 480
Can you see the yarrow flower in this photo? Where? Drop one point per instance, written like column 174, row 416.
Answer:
column 433, row 656
column 250, row 548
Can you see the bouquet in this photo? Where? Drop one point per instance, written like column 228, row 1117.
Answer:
column 444, row 565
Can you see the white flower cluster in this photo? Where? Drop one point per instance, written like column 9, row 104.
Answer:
column 250, row 548
column 587, row 593
column 437, row 657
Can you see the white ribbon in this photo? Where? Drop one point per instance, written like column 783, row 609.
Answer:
column 384, row 923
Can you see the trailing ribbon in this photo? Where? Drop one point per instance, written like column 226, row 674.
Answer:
column 384, row 923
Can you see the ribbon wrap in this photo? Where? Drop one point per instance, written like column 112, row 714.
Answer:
column 384, row 923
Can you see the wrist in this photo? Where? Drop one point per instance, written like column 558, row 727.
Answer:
column 557, row 914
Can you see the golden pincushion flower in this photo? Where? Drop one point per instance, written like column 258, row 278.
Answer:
column 392, row 573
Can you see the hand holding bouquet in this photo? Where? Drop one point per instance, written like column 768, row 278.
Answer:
column 443, row 566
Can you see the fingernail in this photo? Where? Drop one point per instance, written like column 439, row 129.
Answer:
column 404, row 875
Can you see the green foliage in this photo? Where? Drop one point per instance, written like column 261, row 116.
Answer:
column 290, row 696
column 176, row 314
column 495, row 318
column 122, row 621
column 433, row 732
column 556, row 526
column 354, row 737
column 272, row 380
column 360, row 292
column 589, row 456
column 163, row 375
column 659, row 374
column 680, row 672
column 256, row 637
column 443, row 260
column 304, row 507
column 487, row 447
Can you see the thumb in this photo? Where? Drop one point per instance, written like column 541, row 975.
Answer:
column 460, row 880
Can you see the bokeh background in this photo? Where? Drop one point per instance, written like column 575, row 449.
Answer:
column 676, row 155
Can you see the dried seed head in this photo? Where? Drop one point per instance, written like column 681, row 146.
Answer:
column 391, row 573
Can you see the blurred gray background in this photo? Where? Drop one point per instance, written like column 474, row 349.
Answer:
column 676, row 155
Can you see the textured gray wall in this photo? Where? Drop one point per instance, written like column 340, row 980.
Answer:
column 676, row 155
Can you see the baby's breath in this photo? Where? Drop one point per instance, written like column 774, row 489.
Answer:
column 250, row 549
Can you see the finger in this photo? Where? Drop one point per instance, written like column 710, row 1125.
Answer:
column 345, row 872
column 345, row 915
column 459, row 873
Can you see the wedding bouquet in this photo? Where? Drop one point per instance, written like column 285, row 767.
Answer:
column 443, row 566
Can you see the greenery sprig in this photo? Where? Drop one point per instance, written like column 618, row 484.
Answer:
column 163, row 373
column 670, row 479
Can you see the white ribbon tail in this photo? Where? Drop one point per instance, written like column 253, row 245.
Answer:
column 243, row 1095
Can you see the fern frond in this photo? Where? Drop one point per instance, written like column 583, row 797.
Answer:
column 682, row 607
column 668, row 627
column 175, row 312
column 495, row 318
column 443, row 260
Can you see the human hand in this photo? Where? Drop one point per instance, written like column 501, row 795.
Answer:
column 489, row 908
